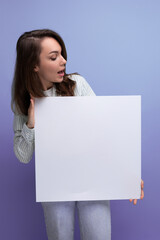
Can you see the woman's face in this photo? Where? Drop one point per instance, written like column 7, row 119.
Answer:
column 51, row 62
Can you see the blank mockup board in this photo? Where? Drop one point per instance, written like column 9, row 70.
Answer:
column 87, row 148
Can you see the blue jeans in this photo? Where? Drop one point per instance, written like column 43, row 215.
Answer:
column 94, row 220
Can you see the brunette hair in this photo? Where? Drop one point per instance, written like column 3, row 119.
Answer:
column 26, row 81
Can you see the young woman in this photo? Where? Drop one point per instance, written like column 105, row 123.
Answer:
column 40, row 71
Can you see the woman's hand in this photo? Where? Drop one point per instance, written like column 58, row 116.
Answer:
column 142, row 193
column 31, row 120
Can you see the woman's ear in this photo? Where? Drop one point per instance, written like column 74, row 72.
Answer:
column 36, row 68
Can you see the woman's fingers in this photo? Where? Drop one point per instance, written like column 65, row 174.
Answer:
column 31, row 97
column 142, row 194
column 32, row 102
column 142, row 184
column 135, row 201
column 31, row 107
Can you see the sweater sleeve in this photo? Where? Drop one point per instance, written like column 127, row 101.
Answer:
column 86, row 90
column 82, row 86
column 24, row 143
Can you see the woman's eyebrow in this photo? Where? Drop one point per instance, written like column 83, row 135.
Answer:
column 53, row 52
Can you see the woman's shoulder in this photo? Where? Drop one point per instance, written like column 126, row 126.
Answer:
column 76, row 77
column 82, row 87
column 80, row 81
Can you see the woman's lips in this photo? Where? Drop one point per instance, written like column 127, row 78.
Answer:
column 61, row 73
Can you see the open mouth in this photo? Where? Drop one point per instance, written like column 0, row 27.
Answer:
column 61, row 73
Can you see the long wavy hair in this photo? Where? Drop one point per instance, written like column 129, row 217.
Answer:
column 26, row 81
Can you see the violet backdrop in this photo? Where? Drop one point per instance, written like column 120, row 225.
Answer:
column 115, row 45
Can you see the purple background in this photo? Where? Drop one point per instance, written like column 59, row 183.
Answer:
column 115, row 45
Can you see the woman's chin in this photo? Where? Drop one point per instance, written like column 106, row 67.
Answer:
column 60, row 80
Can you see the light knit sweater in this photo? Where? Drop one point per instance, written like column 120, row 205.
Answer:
column 24, row 143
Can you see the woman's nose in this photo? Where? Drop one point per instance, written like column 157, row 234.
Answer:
column 63, row 60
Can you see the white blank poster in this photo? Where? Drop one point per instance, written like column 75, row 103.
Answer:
column 88, row 148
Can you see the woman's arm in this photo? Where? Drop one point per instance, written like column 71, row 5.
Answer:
column 23, row 139
column 23, row 126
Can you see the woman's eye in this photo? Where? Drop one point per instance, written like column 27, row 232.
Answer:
column 53, row 59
